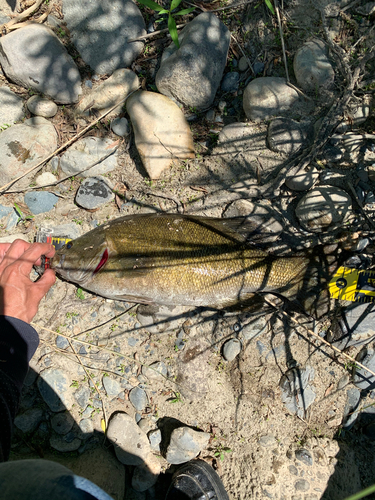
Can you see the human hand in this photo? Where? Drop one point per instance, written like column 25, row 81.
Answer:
column 19, row 296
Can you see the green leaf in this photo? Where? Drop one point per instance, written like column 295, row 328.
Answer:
column 18, row 210
column 175, row 4
column 151, row 5
column 164, row 11
column 183, row 12
column 270, row 6
column 173, row 30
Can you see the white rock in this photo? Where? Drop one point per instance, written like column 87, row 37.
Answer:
column 312, row 67
column 41, row 106
column 45, row 178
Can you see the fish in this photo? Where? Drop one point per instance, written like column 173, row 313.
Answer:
column 173, row 259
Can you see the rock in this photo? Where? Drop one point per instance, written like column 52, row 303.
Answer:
column 302, row 180
column 145, row 477
column 154, row 437
column 70, row 230
column 138, row 398
column 302, row 485
column 101, row 30
column 254, row 328
column 41, row 106
column 13, row 237
column 363, row 379
column 45, row 178
column 296, row 391
column 34, row 57
column 243, row 64
column 231, row 349
column 108, row 93
column 86, row 426
column 156, row 371
column 230, row 82
column 268, row 96
column 59, row 444
column 53, row 385
column 82, row 396
column 286, row 136
column 112, row 387
column 86, row 152
column 192, row 73
column 257, row 218
column 29, row 421
column 312, row 67
column 185, row 444
column 4, row 211
column 146, row 425
column 160, row 129
column 355, row 115
column 258, row 67
column 12, row 220
column 267, row 441
column 351, row 409
column 304, row 456
column 160, row 318
column 357, row 326
column 40, row 202
column 121, row 127
column 23, row 146
column 323, row 208
column 11, row 107
column 239, row 137
column 62, row 422
column 130, row 442
column 94, row 192
column 194, row 373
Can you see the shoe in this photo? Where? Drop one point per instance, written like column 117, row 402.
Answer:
column 196, row 480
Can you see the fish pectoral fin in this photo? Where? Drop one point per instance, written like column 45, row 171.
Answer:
column 134, row 298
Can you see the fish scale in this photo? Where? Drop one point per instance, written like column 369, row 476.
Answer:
column 175, row 260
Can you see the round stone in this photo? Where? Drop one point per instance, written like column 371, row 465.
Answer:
column 302, row 180
column 243, row 64
column 286, row 136
column 312, row 67
column 138, row 398
column 304, row 456
column 62, row 422
column 94, row 192
column 323, row 207
column 230, row 82
column 120, row 126
column 45, row 178
column 302, row 485
column 41, row 106
column 40, row 202
column 231, row 349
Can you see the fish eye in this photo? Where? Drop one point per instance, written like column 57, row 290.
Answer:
column 69, row 245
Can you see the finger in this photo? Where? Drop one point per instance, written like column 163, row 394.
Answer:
column 42, row 286
column 4, row 247
column 15, row 250
column 32, row 255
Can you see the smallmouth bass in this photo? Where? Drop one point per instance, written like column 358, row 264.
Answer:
column 176, row 260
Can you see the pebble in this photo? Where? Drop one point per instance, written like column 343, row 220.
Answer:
column 40, row 202
column 363, row 379
column 254, row 328
column 268, row 96
column 267, row 441
column 304, row 456
column 146, row 425
column 34, row 57
column 296, row 391
column 94, row 192
column 351, row 410
column 138, row 398
column 231, row 349
column 258, row 67
column 62, row 342
column 53, row 385
column 161, row 132
column 230, row 82
column 154, row 437
column 4, row 211
column 11, row 107
column 45, row 178
column 60, row 444
column 121, row 127
column 87, row 413
column 312, row 67
column 156, row 371
column 100, row 32
column 210, row 115
column 86, row 426
column 302, row 485
column 82, row 396
column 286, row 135
column 357, row 325
column 302, row 180
column 112, row 387
column 322, row 208
column 130, row 442
column 243, row 64
column 86, row 152
column 41, row 106
column 185, row 444
column 29, row 420
column 193, row 72
column 62, row 422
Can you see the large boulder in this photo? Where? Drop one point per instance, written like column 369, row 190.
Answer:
column 34, row 57
column 192, row 73
column 23, row 146
column 101, row 30
column 160, row 130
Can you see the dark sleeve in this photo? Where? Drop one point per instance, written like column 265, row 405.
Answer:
column 18, row 343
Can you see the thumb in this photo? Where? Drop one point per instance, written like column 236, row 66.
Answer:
column 45, row 282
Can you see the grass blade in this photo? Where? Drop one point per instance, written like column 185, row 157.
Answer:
column 184, row 11
column 270, row 6
column 175, row 4
column 173, row 30
column 151, row 5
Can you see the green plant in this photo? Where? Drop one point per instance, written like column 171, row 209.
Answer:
column 21, row 216
column 4, row 127
column 176, row 399
column 171, row 21
column 77, row 221
column 220, row 450
column 75, row 383
column 70, row 315
column 79, row 294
